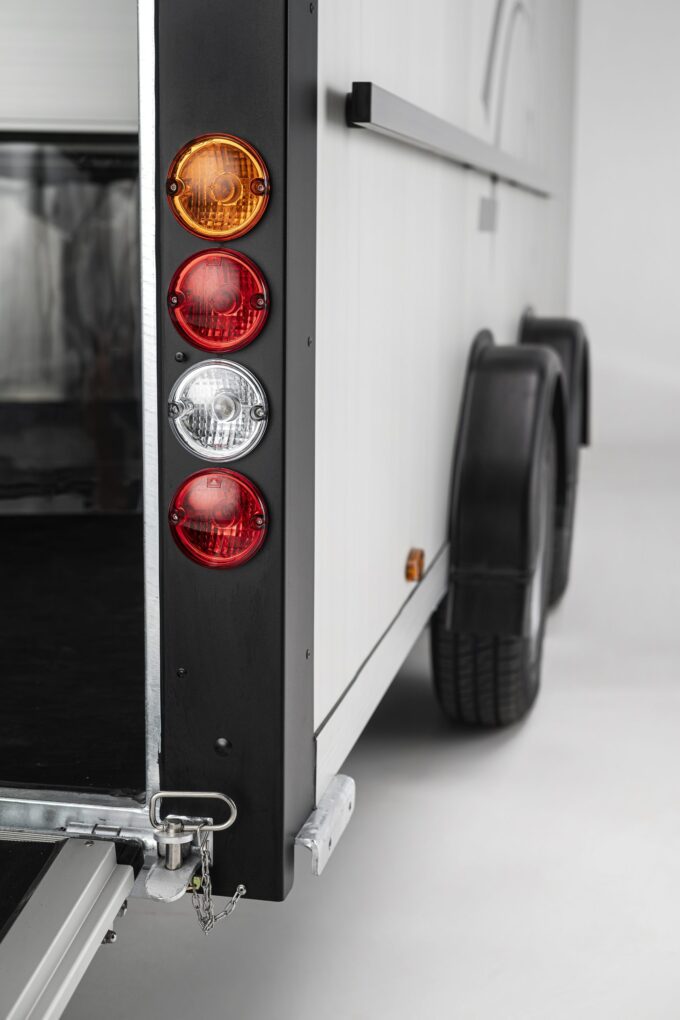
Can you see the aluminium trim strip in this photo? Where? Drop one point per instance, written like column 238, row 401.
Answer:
column 341, row 729
column 62, row 124
column 147, row 179
column 377, row 110
column 54, row 809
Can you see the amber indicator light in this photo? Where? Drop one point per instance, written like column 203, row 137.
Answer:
column 415, row 565
column 218, row 187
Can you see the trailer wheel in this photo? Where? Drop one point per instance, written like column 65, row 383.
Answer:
column 487, row 634
column 493, row 679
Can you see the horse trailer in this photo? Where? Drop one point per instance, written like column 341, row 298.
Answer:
column 286, row 379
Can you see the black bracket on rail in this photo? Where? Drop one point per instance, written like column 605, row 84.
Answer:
column 373, row 108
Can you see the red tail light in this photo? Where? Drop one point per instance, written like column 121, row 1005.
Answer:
column 218, row 300
column 218, row 518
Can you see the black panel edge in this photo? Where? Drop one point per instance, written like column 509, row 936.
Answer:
column 359, row 104
column 300, row 381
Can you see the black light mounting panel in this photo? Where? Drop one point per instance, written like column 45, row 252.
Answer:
column 237, row 644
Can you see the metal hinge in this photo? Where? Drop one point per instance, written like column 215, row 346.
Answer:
column 100, row 831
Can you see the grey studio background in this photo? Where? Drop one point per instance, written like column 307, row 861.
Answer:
column 530, row 873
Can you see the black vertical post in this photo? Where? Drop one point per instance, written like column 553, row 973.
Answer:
column 237, row 645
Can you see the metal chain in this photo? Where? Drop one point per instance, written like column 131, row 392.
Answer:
column 201, row 897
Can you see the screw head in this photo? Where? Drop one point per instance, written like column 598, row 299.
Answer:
column 258, row 521
column 258, row 412
column 258, row 186
column 222, row 746
column 180, row 356
column 181, row 672
column 175, row 516
column 172, row 187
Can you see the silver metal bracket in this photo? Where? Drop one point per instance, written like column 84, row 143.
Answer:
column 322, row 831
column 167, row 886
column 181, row 840
column 179, row 857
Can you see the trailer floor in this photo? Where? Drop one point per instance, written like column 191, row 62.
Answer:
column 524, row 875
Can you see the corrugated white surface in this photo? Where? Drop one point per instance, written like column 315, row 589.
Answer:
column 405, row 280
column 68, row 65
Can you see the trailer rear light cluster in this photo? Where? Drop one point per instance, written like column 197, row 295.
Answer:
column 218, row 410
column 218, row 518
column 218, row 187
column 218, row 301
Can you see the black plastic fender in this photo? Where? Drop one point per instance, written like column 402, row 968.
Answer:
column 512, row 395
column 567, row 338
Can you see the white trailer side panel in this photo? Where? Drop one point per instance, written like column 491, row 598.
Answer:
column 405, row 280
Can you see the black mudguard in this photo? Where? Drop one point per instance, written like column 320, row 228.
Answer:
column 512, row 395
column 567, row 338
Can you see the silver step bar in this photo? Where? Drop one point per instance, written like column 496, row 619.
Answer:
column 48, row 948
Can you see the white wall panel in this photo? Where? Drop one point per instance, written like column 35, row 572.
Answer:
column 68, row 65
column 406, row 278
column 626, row 243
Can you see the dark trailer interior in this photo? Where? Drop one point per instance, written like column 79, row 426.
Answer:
column 71, row 555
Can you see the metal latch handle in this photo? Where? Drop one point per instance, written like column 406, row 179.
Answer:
column 158, row 823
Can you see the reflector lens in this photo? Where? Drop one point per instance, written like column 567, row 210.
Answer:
column 218, row 186
column 218, row 301
column 218, row 410
column 218, row 518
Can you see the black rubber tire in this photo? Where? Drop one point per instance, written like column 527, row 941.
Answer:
column 492, row 680
column 564, row 536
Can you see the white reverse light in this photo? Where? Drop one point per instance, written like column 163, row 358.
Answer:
column 218, row 410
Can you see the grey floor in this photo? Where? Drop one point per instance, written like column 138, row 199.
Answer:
column 525, row 874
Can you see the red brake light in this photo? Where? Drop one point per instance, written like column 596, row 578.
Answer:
column 218, row 300
column 218, row 518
